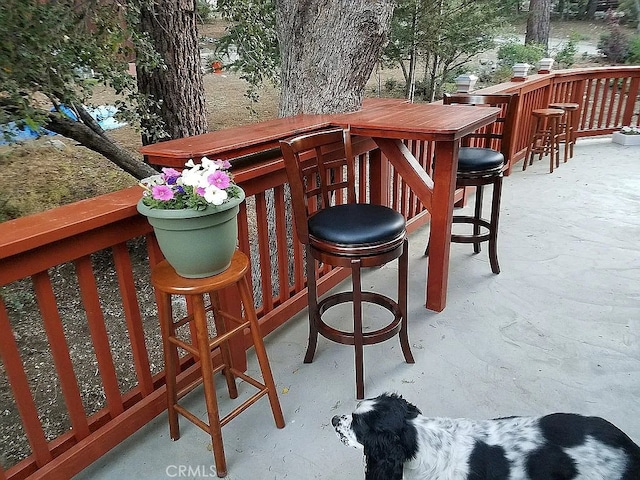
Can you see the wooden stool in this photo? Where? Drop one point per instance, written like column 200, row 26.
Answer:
column 544, row 136
column 567, row 133
column 167, row 282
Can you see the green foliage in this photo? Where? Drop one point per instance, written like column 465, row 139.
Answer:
column 514, row 52
column 565, row 56
column 631, row 13
column 390, row 84
column 253, row 31
column 633, row 57
column 614, row 44
column 442, row 35
column 205, row 11
column 53, row 53
column 502, row 74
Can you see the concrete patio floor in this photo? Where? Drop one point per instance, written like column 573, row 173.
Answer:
column 557, row 330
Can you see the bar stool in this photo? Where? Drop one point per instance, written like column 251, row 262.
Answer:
column 567, row 134
column 482, row 165
column 544, row 136
column 167, row 283
column 321, row 171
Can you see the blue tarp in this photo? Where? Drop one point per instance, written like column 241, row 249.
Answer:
column 103, row 115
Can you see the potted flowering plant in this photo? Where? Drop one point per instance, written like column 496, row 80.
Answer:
column 627, row 136
column 193, row 214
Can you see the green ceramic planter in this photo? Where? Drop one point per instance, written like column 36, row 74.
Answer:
column 197, row 243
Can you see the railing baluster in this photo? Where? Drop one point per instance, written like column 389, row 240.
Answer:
column 264, row 249
column 282, row 236
column 124, row 270
column 21, row 391
column 60, row 353
column 99, row 337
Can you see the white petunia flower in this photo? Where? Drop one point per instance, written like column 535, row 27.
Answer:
column 214, row 195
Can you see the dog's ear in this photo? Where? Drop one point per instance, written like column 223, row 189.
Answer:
column 384, row 461
column 386, row 468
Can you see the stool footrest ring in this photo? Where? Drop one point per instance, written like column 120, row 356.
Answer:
column 369, row 338
column 471, row 238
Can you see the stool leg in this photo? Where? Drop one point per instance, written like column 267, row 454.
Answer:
column 554, row 139
column 170, row 359
column 261, row 353
column 528, row 157
column 206, row 366
column 314, row 314
column 552, row 144
column 221, row 328
column 495, row 217
column 358, row 340
column 403, row 272
column 571, row 135
column 567, row 136
column 477, row 216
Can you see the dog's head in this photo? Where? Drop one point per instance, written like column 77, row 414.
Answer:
column 382, row 427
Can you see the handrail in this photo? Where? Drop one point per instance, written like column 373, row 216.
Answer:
column 608, row 99
column 34, row 248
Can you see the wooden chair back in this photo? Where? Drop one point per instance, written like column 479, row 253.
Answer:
column 499, row 135
column 321, row 170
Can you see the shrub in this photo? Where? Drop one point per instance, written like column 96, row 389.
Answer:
column 633, row 56
column 205, row 11
column 565, row 56
column 514, row 52
column 614, row 45
column 390, row 84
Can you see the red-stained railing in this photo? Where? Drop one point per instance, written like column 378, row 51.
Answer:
column 80, row 257
column 608, row 99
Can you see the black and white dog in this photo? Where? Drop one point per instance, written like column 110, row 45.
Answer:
column 397, row 440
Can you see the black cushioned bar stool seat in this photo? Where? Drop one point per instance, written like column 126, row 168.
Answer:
column 356, row 224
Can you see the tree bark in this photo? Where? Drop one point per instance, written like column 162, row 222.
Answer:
column 99, row 143
column 592, row 7
column 538, row 23
column 171, row 25
column 329, row 49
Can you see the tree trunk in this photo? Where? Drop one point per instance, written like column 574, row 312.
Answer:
column 329, row 49
column 93, row 140
column 538, row 23
column 171, row 25
column 592, row 7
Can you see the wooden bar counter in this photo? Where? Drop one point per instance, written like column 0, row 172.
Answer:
column 387, row 123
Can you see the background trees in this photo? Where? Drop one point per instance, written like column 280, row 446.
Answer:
column 440, row 36
column 171, row 28
column 51, row 56
column 538, row 23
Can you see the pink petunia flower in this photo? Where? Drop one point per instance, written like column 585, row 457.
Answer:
column 161, row 192
column 219, row 179
column 170, row 175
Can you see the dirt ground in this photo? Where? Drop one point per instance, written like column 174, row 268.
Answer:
column 69, row 172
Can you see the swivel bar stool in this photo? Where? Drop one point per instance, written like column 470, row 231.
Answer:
column 338, row 231
column 481, row 161
column 167, row 283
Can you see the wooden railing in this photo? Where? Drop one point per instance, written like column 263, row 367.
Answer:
column 608, row 99
column 102, row 244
